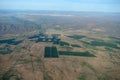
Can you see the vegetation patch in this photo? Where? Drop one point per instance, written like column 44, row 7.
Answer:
column 94, row 39
column 47, row 52
column 64, row 43
column 77, row 36
column 47, row 77
column 27, row 61
column 75, row 45
column 5, row 50
column 51, row 52
column 85, row 54
column 114, row 38
column 14, row 77
column 9, row 75
column 34, row 36
column 87, row 65
column 10, row 41
column 38, row 60
column 110, row 51
column 67, row 48
column 101, row 43
column 82, row 77
column 54, row 52
column 118, row 42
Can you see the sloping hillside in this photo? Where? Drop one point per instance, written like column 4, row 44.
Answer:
column 11, row 24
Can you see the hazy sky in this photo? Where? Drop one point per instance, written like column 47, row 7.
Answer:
column 64, row 5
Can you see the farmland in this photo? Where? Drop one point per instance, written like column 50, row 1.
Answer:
column 77, row 36
column 85, row 54
column 100, row 43
column 51, row 52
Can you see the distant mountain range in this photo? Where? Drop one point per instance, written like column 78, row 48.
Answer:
column 26, row 21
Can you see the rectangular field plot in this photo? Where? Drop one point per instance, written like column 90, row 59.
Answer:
column 76, row 36
column 84, row 54
column 51, row 52
column 75, row 45
column 47, row 52
column 54, row 52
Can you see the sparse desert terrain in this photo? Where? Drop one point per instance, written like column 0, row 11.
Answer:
column 88, row 49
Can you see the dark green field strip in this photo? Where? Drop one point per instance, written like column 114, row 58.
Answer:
column 10, row 41
column 118, row 42
column 76, row 36
column 114, row 38
column 75, row 45
column 47, row 52
column 5, row 52
column 54, row 52
column 34, row 36
column 101, row 43
column 64, row 43
column 85, row 54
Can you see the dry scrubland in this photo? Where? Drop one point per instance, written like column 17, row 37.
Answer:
column 27, row 62
column 84, row 53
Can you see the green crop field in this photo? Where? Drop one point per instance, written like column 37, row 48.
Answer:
column 77, row 36
column 85, row 54
column 51, row 52
column 75, row 45
column 64, row 43
column 101, row 43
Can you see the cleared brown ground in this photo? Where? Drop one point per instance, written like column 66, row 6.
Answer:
column 30, row 64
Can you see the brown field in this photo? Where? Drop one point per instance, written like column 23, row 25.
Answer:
column 30, row 64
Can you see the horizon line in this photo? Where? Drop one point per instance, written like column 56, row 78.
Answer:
column 59, row 10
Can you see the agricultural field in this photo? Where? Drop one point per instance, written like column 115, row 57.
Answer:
column 51, row 52
column 85, row 54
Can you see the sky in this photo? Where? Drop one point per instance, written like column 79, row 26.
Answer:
column 62, row 5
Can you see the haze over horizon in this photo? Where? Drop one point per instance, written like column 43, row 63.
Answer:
column 62, row 5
